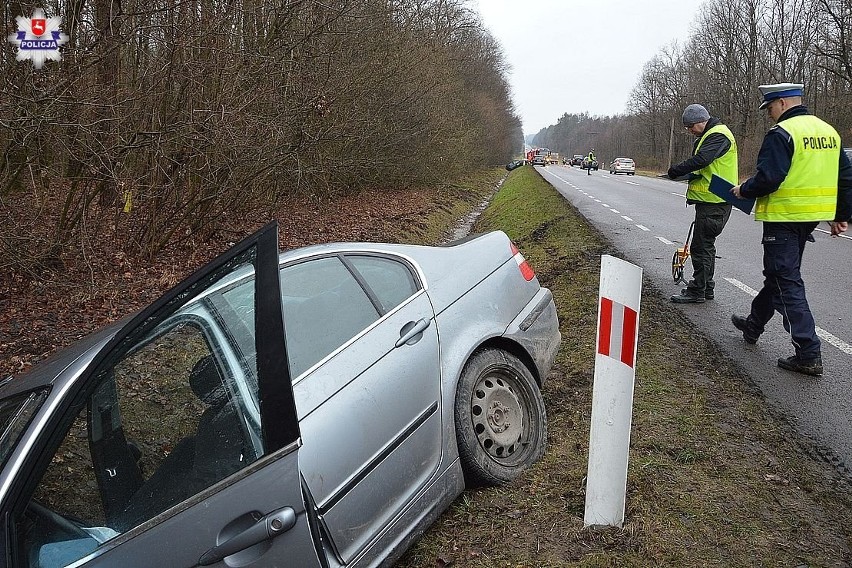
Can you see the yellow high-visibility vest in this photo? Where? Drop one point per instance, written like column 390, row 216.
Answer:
column 725, row 166
column 809, row 192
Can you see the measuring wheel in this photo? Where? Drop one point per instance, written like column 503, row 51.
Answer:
column 679, row 258
column 678, row 262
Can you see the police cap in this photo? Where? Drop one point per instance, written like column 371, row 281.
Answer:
column 779, row 91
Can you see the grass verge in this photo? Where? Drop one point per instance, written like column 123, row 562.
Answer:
column 714, row 478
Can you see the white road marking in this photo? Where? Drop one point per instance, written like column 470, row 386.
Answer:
column 615, row 211
column 643, row 227
column 626, row 218
column 679, row 194
column 823, row 334
column 597, row 200
column 604, row 204
column 664, row 241
column 631, row 182
column 834, row 340
column 750, row 291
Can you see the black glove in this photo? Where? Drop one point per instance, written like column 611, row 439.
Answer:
column 671, row 173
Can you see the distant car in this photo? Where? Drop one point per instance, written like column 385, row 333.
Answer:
column 577, row 160
column 589, row 164
column 622, row 166
column 315, row 408
column 539, row 160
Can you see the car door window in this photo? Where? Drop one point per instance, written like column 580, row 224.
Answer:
column 324, row 307
column 174, row 413
column 391, row 281
column 15, row 415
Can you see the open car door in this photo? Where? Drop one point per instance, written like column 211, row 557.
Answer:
column 178, row 445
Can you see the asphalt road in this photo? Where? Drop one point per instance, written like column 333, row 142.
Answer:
column 647, row 220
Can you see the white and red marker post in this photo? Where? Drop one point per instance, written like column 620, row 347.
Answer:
column 612, row 395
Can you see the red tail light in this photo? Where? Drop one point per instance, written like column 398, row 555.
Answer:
column 526, row 270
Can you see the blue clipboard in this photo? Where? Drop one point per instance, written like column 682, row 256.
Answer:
column 722, row 188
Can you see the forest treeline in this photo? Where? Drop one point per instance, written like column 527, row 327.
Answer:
column 164, row 115
column 734, row 45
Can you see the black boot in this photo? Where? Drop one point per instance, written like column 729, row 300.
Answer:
column 708, row 294
column 812, row 367
column 750, row 335
column 687, row 296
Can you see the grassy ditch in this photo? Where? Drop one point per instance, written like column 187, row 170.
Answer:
column 714, row 478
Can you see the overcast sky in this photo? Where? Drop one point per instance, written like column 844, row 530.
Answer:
column 571, row 56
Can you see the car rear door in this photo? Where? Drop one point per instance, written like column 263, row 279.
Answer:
column 370, row 410
column 190, row 507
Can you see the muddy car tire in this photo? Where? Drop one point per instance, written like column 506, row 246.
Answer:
column 501, row 423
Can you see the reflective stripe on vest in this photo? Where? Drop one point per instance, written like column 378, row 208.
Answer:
column 809, row 192
column 725, row 166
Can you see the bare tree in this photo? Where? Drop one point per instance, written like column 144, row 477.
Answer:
column 165, row 116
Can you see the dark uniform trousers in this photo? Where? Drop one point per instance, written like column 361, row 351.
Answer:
column 710, row 219
column 783, row 289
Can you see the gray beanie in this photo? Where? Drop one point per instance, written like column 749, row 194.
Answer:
column 694, row 114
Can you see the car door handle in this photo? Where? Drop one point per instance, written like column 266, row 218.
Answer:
column 410, row 331
column 268, row 527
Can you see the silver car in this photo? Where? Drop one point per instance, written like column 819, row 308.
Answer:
column 622, row 166
column 315, row 408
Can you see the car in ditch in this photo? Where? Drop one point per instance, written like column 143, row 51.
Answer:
column 622, row 166
column 514, row 164
column 313, row 408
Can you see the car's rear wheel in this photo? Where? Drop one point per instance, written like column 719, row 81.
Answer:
column 501, row 423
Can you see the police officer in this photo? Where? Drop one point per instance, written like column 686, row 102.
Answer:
column 803, row 177
column 714, row 152
column 591, row 157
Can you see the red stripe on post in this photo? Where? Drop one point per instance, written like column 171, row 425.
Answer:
column 605, row 326
column 628, row 337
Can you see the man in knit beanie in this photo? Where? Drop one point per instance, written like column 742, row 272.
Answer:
column 714, row 152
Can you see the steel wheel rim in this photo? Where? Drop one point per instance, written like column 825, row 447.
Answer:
column 500, row 417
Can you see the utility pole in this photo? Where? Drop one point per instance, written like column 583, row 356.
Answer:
column 671, row 142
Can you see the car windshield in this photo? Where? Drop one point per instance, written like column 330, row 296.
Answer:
column 15, row 415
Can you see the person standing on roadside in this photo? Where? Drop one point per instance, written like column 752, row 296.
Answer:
column 714, row 152
column 591, row 158
column 803, row 177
